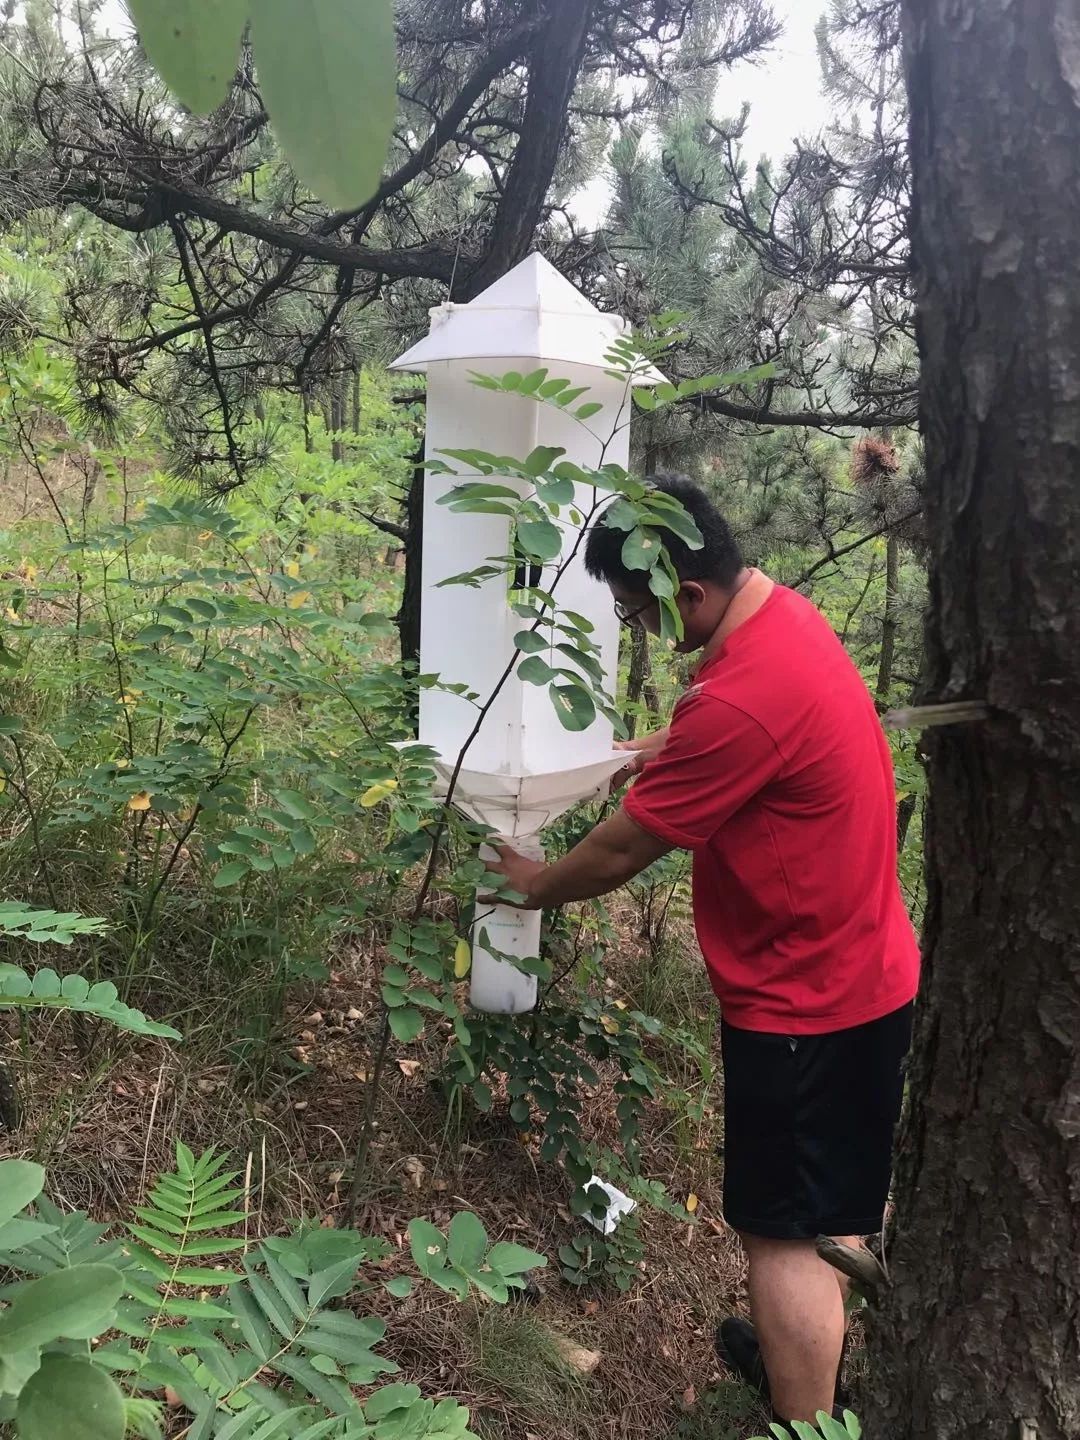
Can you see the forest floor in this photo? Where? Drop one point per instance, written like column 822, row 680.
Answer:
column 561, row 1364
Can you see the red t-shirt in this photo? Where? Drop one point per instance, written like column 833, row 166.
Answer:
column 777, row 775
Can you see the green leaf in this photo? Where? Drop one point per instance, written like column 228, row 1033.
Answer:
column 574, row 706
column 428, row 1246
column 531, row 642
column 60, row 1304
column 194, row 44
column 400, row 1287
column 154, row 633
column 294, row 804
column 530, row 385
column 640, row 550
column 644, row 399
column 467, row 1241
column 73, row 1399
column 510, row 1259
column 20, row 1182
column 406, row 1024
column 390, row 1398
column 555, row 492
column 544, row 456
column 540, row 539
column 586, row 412
column 329, row 75
column 535, row 671
column 230, row 874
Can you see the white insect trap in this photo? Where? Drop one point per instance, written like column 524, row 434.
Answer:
column 523, row 769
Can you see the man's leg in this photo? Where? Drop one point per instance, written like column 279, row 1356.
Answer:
column 797, row 1306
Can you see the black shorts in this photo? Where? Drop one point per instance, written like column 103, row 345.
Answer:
column 808, row 1128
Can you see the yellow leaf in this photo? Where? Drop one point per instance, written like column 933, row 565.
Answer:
column 11, row 613
column 140, row 801
column 292, row 569
column 298, row 598
column 123, row 763
column 371, row 798
column 620, row 1004
column 3, row 783
column 462, row 959
column 610, row 1025
column 206, row 535
column 310, row 552
column 691, row 1204
column 28, row 571
column 130, row 697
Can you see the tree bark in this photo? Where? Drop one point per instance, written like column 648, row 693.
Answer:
column 408, row 616
column 639, row 681
column 980, row 1332
column 889, row 618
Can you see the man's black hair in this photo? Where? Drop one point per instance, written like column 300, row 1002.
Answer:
column 718, row 560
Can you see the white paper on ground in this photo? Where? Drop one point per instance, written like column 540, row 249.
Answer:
column 619, row 1206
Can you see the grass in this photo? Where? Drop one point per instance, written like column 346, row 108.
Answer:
column 728, row 1411
column 516, row 1354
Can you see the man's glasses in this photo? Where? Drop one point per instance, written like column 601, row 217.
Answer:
column 631, row 618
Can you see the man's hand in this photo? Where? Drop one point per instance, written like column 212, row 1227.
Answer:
column 518, row 872
column 639, row 753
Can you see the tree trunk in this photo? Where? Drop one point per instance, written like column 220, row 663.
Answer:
column 639, row 682
column 980, row 1333
column 408, row 616
column 554, row 63
column 889, row 619
column 337, row 418
column 356, row 401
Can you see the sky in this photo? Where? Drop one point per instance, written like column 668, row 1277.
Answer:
column 782, row 88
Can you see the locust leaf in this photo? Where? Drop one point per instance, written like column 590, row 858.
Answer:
column 328, row 73
column 194, row 44
column 71, row 1398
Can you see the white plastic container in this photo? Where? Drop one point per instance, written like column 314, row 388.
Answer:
column 523, row 769
column 496, row 986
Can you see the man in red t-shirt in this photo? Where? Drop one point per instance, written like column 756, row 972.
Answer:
column 775, row 773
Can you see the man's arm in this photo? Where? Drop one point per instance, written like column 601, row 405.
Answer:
column 612, row 853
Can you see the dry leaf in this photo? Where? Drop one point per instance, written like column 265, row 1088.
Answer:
column 591, row 1308
column 360, row 1074
column 408, row 1068
column 689, row 1398
column 416, row 1170
column 353, row 1013
column 576, row 1356
column 315, row 1018
column 609, row 1025
column 141, row 801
